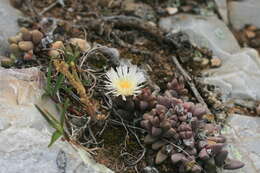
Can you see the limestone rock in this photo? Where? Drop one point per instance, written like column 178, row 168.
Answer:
column 8, row 24
column 243, row 134
column 25, row 135
column 209, row 32
column 242, row 13
column 239, row 74
column 222, row 9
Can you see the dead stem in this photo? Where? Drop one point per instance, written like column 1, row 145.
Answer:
column 190, row 83
column 63, row 68
column 49, row 8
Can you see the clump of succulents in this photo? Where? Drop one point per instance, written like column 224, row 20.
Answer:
column 177, row 131
column 23, row 44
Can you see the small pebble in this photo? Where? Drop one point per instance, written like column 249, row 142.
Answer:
column 205, row 62
column 14, row 48
column 15, row 39
column 25, row 45
column 215, row 62
column 171, row 10
column 258, row 110
column 82, row 44
column 57, row 45
column 251, row 28
column 36, row 36
column 6, row 62
column 250, row 34
column 26, row 34
column 28, row 55
column 53, row 53
column 186, row 8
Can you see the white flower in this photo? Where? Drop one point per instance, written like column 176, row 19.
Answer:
column 127, row 80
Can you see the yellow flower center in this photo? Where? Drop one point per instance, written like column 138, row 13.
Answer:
column 125, row 84
column 125, row 87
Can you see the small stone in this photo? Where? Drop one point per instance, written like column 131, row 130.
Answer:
column 15, row 39
column 26, row 34
column 36, row 36
column 215, row 62
column 197, row 59
column 171, row 10
column 186, row 8
column 245, row 103
column 28, row 55
column 82, row 44
column 53, row 53
column 205, row 62
column 25, row 45
column 250, row 34
column 6, row 62
column 258, row 109
column 150, row 169
column 57, row 45
column 14, row 48
column 251, row 28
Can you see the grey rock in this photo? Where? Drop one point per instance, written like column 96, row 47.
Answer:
column 8, row 24
column 150, row 169
column 222, row 9
column 244, row 12
column 243, row 135
column 141, row 10
column 239, row 75
column 25, row 135
column 209, row 32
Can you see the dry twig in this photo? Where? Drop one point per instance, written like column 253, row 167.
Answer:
column 63, row 68
column 190, row 83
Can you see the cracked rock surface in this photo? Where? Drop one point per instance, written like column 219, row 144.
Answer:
column 239, row 76
column 243, row 134
column 25, row 135
column 8, row 24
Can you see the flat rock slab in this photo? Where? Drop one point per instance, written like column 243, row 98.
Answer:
column 239, row 75
column 243, row 134
column 209, row 32
column 222, row 9
column 25, row 134
column 244, row 12
column 8, row 24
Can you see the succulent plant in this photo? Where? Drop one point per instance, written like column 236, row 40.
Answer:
column 145, row 101
column 177, row 86
column 22, row 45
column 177, row 131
